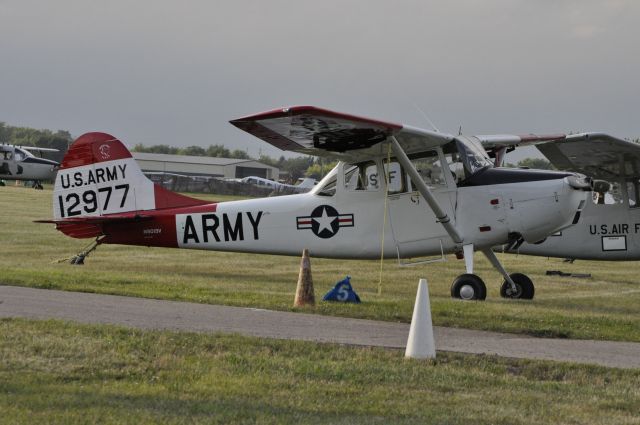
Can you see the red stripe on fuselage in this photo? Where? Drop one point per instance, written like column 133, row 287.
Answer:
column 160, row 230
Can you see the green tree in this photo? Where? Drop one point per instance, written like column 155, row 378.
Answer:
column 218, row 151
column 319, row 169
column 239, row 154
column 165, row 149
column 536, row 164
column 193, row 151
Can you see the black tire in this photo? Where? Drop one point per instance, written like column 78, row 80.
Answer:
column 525, row 288
column 468, row 287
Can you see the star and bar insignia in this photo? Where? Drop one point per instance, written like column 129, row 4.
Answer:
column 324, row 221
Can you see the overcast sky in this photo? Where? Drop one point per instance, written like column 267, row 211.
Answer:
column 175, row 73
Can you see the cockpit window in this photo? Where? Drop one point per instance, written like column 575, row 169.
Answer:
column 362, row 176
column 473, row 156
column 466, row 154
column 327, row 187
column 633, row 191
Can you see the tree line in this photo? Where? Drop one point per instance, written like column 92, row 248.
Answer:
column 25, row 136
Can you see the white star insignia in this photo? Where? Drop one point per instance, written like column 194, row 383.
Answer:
column 324, row 221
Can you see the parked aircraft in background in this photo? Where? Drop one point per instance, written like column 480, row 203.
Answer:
column 18, row 163
column 305, row 184
column 394, row 192
column 609, row 225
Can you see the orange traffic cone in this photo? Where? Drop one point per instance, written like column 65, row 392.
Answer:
column 304, row 291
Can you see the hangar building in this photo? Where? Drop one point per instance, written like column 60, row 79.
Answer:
column 204, row 166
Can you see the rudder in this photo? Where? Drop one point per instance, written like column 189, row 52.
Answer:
column 98, row 176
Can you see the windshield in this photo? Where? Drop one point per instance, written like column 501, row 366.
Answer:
column 472, row 155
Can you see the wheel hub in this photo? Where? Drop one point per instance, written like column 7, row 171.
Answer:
column 514, row 292
column 467, row 292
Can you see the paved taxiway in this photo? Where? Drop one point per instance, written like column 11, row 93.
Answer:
column 183, row 316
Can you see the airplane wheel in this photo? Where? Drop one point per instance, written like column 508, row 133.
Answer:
column 524, row 287
column 468, row 287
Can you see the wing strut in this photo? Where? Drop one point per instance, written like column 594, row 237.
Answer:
column 442, row 217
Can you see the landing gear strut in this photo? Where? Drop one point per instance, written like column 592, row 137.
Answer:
column 469, row 286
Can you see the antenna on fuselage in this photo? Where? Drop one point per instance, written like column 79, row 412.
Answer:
column 426, row 117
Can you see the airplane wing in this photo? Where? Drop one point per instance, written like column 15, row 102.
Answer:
column 35, row 148
column 321, row 132
column 597, row 155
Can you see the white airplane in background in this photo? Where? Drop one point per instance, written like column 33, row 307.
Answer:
column 609, row 225
column 305, row 184
column 397, row 190
column 18, row 163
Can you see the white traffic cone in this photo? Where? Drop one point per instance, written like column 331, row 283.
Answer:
column 420, row 344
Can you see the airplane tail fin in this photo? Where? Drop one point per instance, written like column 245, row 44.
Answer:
column 307, row 182
column 99, row 177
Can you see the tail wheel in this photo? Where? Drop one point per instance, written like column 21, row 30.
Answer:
column 468, row 287
column 524, row 287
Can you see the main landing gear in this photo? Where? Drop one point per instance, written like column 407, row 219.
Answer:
column 469, row 286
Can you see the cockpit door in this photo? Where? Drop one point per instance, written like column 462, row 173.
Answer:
column 415, row 227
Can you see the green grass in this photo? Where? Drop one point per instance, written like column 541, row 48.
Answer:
column 54, row 372
column 604, row 307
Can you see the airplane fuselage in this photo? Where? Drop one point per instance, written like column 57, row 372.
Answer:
column 347, row 224
column 19, row 164
column 604, row 232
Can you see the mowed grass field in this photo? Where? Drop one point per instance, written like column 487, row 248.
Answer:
column 55, row 372
column 606, row 306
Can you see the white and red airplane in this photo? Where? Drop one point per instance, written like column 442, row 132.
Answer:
column 398, row 190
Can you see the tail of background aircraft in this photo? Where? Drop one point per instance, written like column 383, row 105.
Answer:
column 307, row 182
column 99, row 182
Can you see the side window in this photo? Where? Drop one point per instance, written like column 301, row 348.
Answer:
column 455, row 167
column 430, row 169
column 362, row 176
column 633, row 190
column 605, row 193
column 396, row 177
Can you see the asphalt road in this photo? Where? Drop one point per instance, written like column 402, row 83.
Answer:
column 182, row 316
